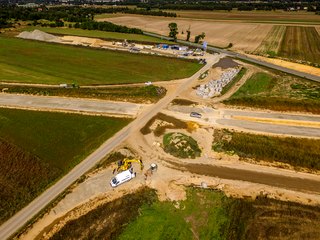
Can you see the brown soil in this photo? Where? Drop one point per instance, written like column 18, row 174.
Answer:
column 225, row 63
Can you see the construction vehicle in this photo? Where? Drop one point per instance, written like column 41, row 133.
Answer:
column 126, row 164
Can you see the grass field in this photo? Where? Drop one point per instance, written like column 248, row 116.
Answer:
column 98, row 34
column 298, row 152
column 280, row 92
column 145, row 94
column 39, row 147
column 234, row 81
column 39, row 62
column 206, row 214
column 301, row 43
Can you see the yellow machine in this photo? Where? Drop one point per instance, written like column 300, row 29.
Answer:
column 126, row 163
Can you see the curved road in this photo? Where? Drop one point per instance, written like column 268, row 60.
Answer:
column 243, row 57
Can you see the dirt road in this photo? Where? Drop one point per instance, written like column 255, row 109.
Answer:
column 71, row 104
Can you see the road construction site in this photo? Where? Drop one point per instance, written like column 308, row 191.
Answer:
column 211, row 170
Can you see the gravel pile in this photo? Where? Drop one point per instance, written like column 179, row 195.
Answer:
column 39, row 35
column 214, row 87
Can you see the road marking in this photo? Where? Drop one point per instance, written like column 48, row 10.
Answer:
column 287, row 122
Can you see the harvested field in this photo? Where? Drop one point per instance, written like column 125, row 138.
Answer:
column 301, row 43
column 270, row 45
column 25, row 61
column 41, row 147
column 243, row 36
column 252, row 16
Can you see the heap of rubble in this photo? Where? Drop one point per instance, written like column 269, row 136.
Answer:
column 214, row 87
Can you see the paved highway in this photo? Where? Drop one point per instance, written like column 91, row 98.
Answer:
column 22, row 217
column 243, row 57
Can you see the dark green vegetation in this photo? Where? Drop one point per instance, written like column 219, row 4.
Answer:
column 301, row 43
column 108, row 220
column 169, row 123
column 298, row 152
column 37, row 148
column 131, row 94
column 205, row 214
column 38, row 62
column 183, row 102
column 98, row 34
column 181, row 145
column 234, row 81
column 280, row 92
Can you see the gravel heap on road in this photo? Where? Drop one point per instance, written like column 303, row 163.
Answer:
column 39, row 35
column 214, row 87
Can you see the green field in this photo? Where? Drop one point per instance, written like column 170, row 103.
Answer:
column 98, row 34
column 37, row 148
column 279, row 92
column 298, row 152
column 205, row 214
column 38, row 62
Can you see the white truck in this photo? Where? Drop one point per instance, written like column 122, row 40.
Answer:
column 122, row 177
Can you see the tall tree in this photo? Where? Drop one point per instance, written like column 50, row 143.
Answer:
column 188, row 34
column 173, row 30
column 200, row 37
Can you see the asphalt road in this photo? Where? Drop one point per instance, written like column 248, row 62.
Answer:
column 22, row 217
column 243, row 57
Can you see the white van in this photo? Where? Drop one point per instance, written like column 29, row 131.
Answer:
column 122, row 177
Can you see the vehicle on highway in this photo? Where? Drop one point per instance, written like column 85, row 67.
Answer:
column 195, row 114
column 122, row 177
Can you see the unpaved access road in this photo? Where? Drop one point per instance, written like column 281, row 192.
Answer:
column 276, row 180
column 23, row 216
column 70, row 104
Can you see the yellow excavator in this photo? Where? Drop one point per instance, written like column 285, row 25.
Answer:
column 126, row 163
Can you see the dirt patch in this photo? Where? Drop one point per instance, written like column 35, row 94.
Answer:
column 225, row 63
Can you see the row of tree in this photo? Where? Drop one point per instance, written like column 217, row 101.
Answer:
column 173, row 32
column 106, row 26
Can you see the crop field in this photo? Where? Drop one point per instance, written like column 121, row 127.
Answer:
column 243, row 36
column 252, row 16
column 278, row 92
column 38, row 62
column 136, row 94
column 205, row 214
column 301, row 43
column 98, row 34
column 298, row 152
column 37, row 148
column 270, row 45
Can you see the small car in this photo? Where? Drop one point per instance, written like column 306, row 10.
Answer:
column 195, row 114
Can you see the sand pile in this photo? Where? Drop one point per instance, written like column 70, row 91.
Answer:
column 39, row 35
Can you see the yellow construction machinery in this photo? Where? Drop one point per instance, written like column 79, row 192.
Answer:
column 126, row 164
